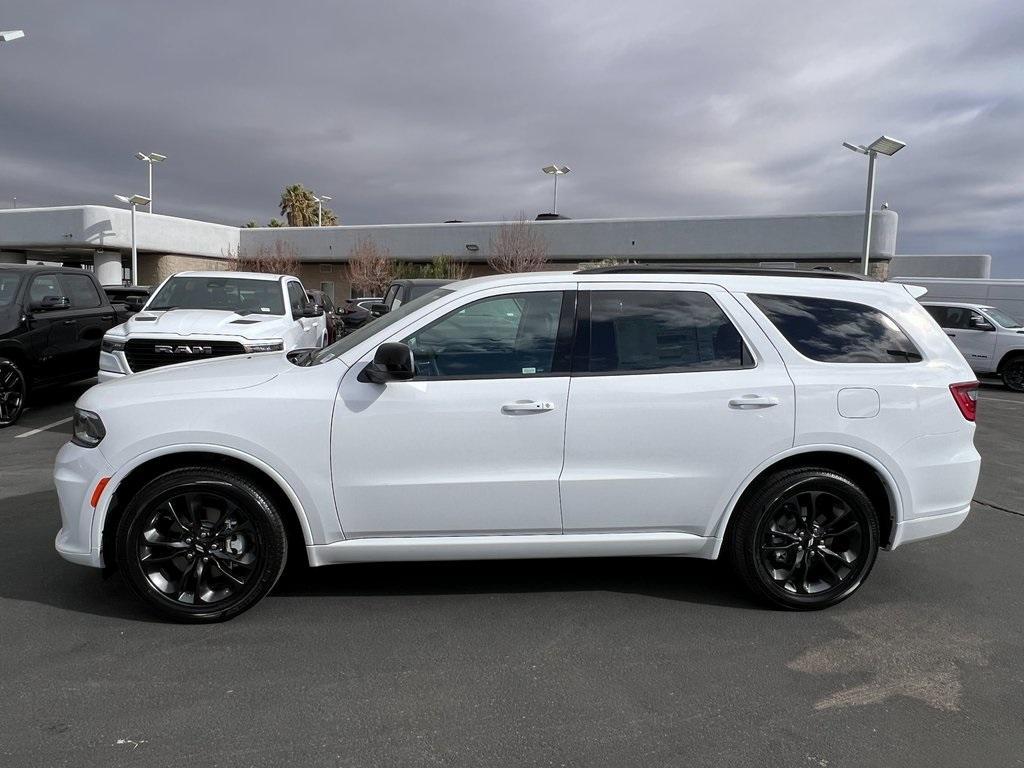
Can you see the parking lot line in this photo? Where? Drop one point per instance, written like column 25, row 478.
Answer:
column 43, row 429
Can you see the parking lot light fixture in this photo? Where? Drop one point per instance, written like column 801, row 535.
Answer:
column 134, row 201
column 11, row 34
column 320, row 200
column 556, row 171
column 152, row 157
column 883, row 145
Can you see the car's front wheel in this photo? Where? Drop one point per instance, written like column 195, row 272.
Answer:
column 806, row 539
column 201, row 545
column 1013, row 374
column 13, row 390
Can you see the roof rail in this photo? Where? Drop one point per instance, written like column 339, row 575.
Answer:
column 628, row 269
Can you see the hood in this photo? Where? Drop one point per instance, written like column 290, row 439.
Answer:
column 221, row 375
column 204, row 322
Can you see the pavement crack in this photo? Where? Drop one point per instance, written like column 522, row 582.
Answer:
column 998, row 507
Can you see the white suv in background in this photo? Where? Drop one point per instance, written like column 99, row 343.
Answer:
column 990, row 340
column 202, row 315
column 793, row 424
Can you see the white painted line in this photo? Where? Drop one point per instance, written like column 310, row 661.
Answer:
column 43, row 429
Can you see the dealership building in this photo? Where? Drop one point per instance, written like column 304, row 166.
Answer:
column 100, row 237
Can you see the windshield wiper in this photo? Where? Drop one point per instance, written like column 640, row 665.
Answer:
column 160, row 309
column 911, row 357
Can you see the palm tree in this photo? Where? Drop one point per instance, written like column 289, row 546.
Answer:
column 298, row 206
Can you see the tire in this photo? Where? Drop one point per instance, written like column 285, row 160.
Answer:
column 13, row 392
column 1013, row 374
column 800, row 561
column 210, row 528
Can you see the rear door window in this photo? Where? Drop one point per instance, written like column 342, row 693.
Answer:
column 833, row 331
column 659, row 332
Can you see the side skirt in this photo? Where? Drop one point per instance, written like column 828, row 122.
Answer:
column 378, row 550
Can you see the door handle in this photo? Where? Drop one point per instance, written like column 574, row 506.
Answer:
column 951, row 335
column 752, row 402
column 69, row 322
column 527, row 406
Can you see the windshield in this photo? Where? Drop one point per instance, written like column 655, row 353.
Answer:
column 360, row 335
column 1002, row 318
column 231, row 294
column 8, row 287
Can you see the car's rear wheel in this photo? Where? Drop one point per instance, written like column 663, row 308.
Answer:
column 1013, row 374
column 806, row 539
column 201, row 545
column 13, row 391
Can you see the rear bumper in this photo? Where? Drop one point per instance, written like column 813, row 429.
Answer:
column 928, row 527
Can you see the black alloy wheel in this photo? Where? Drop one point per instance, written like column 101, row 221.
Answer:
column 1013, row 375
column 13, row 391
column 807, row 540
column 201, row 544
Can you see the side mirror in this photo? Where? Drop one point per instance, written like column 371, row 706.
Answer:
column 312, row 310
column 981, row 324
column 379, row 309
column 134, row 303
column 393, row 361
column 50, row 303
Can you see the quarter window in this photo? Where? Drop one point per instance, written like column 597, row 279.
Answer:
column 833, row 331
column 81, row 291
column 661, row 332
column 503, row 336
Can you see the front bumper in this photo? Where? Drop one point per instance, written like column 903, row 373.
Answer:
column 76, row 473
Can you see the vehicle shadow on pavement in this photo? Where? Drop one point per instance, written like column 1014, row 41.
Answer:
column 670, row 578
column 32, row 571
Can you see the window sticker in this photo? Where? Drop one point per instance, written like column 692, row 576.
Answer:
column 529, row 370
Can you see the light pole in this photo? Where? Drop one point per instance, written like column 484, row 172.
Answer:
column 152, row 157
column 883, row 145
column 11, row 34
column 134, row 200
column 320, row 200
column 556, row 171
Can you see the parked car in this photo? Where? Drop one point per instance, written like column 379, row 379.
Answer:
column 356, row 312
column 990, row 340
column 202, row 315
column 794, row 425
column 127, row 299
column 331, row 314
column 402, row 291
column 51, row 322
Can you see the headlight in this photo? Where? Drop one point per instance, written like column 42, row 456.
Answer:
column 269, row 346
column 89, row 430
column 112, row 345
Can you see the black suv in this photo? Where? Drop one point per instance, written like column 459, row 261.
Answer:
column 52, row 321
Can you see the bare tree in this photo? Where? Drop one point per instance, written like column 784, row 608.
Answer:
column 281, row 259
column 371, row 268
column 518, row 247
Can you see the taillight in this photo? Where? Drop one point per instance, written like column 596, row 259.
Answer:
column 966, row 396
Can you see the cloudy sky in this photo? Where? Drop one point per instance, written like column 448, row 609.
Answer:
column 426, row 111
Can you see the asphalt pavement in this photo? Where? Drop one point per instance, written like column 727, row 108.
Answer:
column 612, row 662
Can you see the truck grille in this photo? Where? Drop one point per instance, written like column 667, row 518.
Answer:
column 145, row 354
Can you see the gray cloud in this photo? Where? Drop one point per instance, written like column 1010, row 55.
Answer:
column 430, row 111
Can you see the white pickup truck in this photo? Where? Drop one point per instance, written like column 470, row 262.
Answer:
column 202, row 315
column 990, row 340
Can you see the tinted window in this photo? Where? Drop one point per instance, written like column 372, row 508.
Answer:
column 666, row 331
column 962, row 318
column 511, row 335
column 834, row 331
column 296, row 297
column 81, row 291
column 227, row 293
column 43, row 286
column 8, row 288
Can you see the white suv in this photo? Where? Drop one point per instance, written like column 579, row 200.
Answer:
column 990, row 340
column 793, row 424
column 200, row 315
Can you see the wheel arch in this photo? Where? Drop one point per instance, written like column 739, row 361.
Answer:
column 1013, row 354
column 869, row 473
column 155, row 463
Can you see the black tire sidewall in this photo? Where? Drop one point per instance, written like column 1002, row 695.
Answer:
column 746, row 539
column 265, row 518
column 1017, row 363
column 5, row 362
